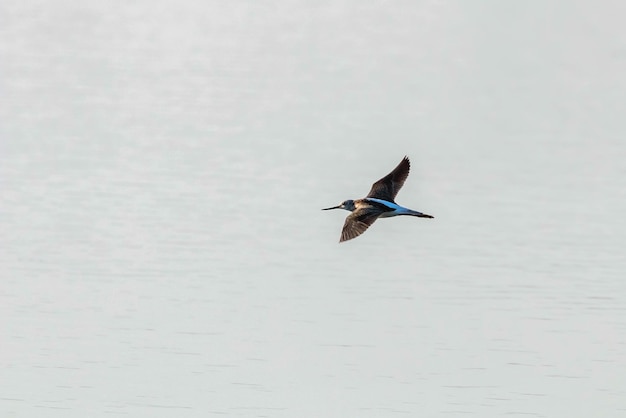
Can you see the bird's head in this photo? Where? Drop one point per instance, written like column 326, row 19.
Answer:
column 346, row 204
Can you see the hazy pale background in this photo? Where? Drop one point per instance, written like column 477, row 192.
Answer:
column 162, row 167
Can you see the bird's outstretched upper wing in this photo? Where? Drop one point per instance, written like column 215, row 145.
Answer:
column 388, row 187
column 358, row 222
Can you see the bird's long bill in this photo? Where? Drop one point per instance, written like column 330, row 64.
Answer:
column 334, row 207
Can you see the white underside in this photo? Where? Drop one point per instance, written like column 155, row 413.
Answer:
column 397, row 209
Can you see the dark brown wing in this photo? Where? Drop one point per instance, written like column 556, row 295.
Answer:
column 388, row 187
column 358, row 222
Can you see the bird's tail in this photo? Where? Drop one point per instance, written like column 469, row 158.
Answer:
column 418, row 214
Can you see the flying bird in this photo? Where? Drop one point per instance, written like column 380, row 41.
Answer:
column 379, row 203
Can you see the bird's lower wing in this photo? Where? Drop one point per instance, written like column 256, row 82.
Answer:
column 357, row 223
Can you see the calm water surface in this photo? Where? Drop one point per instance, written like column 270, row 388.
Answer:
column 163, row 252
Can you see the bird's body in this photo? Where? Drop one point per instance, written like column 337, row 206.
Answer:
column 395, row 208
column 379, row 203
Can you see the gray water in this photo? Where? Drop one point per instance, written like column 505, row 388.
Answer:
column 163, row 165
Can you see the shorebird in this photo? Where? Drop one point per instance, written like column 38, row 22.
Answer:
column 379, row 203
